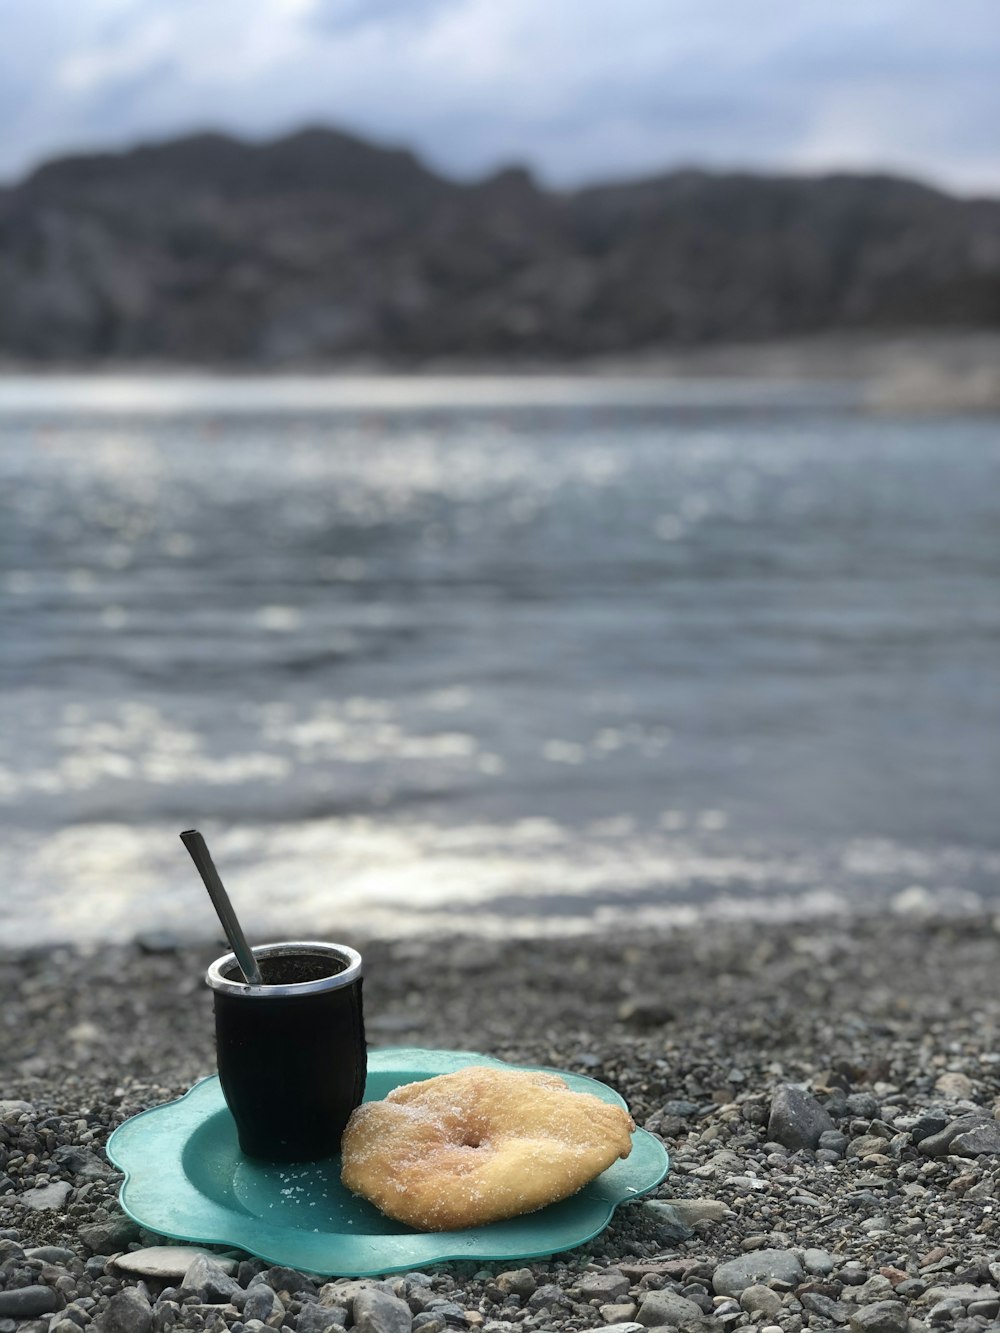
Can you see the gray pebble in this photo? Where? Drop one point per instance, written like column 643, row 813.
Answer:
column 797, row 1120
column 379, row 1312
column 314, row 1318
column 81, row 1162
column 168, row 1261
column 26, row 1302
column 290, row 1280
column 684, row 1110
column 880, row 1317
column 815, row 1302
column 981, row 1138
column 428, row 1322
column 261, row 1303
column 418, row 1298
column 210, row 1280
column 52, row 1196
column 820, row 1262
column 944, row 1312
column 912, row 1286
column 667, row 1307
column 517, row 1282
column 833, row 1140
column 51, row 1254
column 619, row 1313
column 926, row 1124
column 863, row 1104
column 605, row 1287
column 937, row 1145
column 670, row 1227
column 109, row 1237
column 127, row 1312
column 760, row 1266
column 546, row 1295
column 759, row 1300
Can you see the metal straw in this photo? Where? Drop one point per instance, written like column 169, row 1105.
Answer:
column 200, row 855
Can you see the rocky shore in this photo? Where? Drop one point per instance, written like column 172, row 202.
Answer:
column 828, row 1092
column 320, row 246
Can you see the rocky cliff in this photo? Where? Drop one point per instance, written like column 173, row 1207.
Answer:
column 319, row 247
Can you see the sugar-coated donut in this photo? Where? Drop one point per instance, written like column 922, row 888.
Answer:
column 479, row 1145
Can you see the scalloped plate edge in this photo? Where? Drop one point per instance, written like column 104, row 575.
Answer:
column 381, row 1058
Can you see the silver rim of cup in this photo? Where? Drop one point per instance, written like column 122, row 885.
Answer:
column 350, row 973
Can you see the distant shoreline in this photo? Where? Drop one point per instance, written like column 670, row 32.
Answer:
column 901, row 372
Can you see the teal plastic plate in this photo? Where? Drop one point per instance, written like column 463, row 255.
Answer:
column 186, row 1178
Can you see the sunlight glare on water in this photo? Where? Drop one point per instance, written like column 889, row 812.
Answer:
column 523, row 655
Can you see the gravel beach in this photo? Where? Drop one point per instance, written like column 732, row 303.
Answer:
column 828, row 1092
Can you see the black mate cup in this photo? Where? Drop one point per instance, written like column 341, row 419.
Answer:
column 291, row 1052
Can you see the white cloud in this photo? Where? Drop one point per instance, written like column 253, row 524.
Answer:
column 579, row 89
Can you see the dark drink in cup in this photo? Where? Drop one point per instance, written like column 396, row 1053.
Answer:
column 291, row 1052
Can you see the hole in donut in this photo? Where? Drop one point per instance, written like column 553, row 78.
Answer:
column 472, row 1141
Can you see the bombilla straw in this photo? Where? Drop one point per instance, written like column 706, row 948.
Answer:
column 200, row 855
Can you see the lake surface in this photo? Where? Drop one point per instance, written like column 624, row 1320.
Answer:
column 527, row 655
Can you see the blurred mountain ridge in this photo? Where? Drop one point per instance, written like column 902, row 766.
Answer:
column 320, row 247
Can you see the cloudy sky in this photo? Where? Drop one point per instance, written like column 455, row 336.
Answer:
column 578, row 89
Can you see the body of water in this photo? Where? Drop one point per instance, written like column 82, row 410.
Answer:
column 499, row 655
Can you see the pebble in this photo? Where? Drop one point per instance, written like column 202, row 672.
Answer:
column 128, row 1312
column 684, row 1110
column 937, row 1145
column 981, row 1138
column 50, row 1254
column 605, row 1287
column 833, row 1140
column 26, row 1302
column 954, row 1086
column 48, row 1196
column 670, row 1226
column 291, row 1280
column 759, row 1266
column 204, row 1276
column 426, row 1322
column 814, row 1302
column 550, row 1293
column 168, row 1261
column 109, row 1237
column 314, row 1318
column 818, row 1261
column 863, row 1104
column 379, row 1312
column 517, row 1282
column 667, row 1307
column 797, row 1120
column 760, row 1300
column 81, row 1162
column 691, row 1211
column 880, row 1317
column 261, row 1303
column 620, row 1313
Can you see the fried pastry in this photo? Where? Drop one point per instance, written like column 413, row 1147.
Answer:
column 479, row 1145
